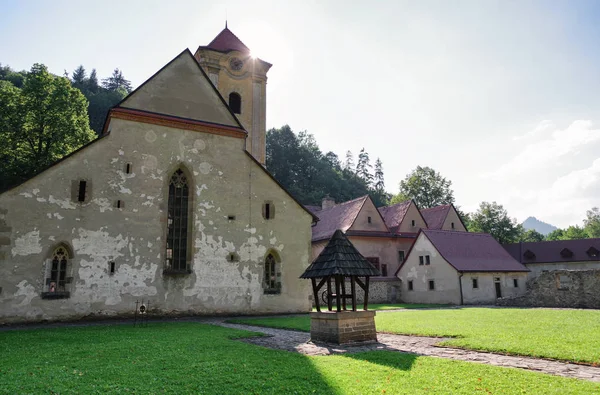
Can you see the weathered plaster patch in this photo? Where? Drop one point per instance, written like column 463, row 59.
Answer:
column 121, row 152
column 103, row 203
column 41, row 200
column 35, row 191
column 27, row 290
column 114, row 160
column 200, row 188
column 273, row 240
column 26, row 194
column 149, row 201
column 28, row 244
column 199, row 144
column 205, row 167
column 63, row 203
column 58, row 216
column 149, row 163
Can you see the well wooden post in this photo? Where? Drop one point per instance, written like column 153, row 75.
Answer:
column 316, row 293
column 329, row 293
column 337, row 293
column 353, row 291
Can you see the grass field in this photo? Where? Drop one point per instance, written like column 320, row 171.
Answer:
column 570, row 335
column 196, row 358
column 398, row 306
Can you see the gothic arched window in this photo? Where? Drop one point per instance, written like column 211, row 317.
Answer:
column 272, row 282
column 235, row 102
column 177, row 222
column 56, row 285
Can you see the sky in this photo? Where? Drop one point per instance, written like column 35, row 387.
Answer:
column 500, row 97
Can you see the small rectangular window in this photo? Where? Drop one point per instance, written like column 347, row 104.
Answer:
column 420, row 259
column 384, row 269
column 128, row 168
column 475, row 283
column 81, row 193
column 231, row 217
column 427, row 260
column 400, row 256
column 119, row 204
column 369, row 219
column 112, row 267
column 410, row 285
column 431, row 285
column 516, row 283
column 268, row 210
column 452, row 225
column 413, row 222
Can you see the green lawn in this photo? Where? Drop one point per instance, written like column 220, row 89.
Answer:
column 570, row 335
column 195, row 358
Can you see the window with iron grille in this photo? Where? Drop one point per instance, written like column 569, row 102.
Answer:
column 177, row 223
column 427, row 260
column 272, row 276
column 56, row 276
column 400, row 256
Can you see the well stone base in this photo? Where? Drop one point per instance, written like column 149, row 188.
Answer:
column 343, row 327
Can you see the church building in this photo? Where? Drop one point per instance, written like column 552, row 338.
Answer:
column 170, row 206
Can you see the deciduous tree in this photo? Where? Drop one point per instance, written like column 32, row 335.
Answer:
column 492, row 218
column 427, row 187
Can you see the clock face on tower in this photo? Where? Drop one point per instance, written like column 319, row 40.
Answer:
column 236, row 64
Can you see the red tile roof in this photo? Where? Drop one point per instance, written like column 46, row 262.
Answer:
column 473, row 252
column 313, row 209
column 227, row 41
column 435, row 216
column 341, row 216
column 549, row 251
column 393, row 215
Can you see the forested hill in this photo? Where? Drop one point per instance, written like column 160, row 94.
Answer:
column 296, row 161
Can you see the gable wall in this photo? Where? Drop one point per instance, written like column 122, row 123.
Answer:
column 453, row 217
column 181, row 90
column 37, row 215
column 446, row 279
column 362, row 219
column 412, row 214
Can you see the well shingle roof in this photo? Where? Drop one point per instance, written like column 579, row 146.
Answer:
column 435, row 216
column 549, row 251
column 473, row 252
column 340, row 257
column 340, row 216
column 394, row 215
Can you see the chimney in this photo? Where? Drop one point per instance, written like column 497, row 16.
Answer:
column 327, row 202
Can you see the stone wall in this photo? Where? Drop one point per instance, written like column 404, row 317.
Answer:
column 344, row 327
column 380, row 291
column 560, row 288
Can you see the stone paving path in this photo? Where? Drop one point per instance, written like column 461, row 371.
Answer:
column 296, row 341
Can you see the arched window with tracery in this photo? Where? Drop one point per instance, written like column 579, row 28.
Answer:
column 177, row 223
column 272, row 283
column 235, row 102
column 56, row 285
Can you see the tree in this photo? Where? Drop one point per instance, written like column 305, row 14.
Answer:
column 575, row 233
column 116, row 82
column 492, row 218
column 531, row 235
column 79, row 77
column 379, row 182
column 592, row 222
column 92, row 85
column 557, row 234
column 349, row 163
column 40, row 123
column 363, row 167
column 427, row 187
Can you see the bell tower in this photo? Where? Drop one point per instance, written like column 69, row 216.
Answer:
column 242, row 81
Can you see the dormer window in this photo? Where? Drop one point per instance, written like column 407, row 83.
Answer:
column 592, row 252
column 529, row 255
column 566, row 253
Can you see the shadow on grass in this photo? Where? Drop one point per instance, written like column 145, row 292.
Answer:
column 389, row 358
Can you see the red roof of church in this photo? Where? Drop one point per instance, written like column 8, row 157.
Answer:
column 341, row 216
column 435, row 216
column 393, row 215
column 227, row 41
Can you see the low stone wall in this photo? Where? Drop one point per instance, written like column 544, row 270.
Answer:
column 343, row 327
column 560, row 288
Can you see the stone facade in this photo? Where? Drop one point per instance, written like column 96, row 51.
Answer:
column 343, row 327
column 381, row 290
column 113, row 236
column 560, row 288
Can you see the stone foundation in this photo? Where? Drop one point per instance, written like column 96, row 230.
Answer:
column 343, row 327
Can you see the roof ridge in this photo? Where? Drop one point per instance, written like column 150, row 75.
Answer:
column 436, row 207
column 346, row 202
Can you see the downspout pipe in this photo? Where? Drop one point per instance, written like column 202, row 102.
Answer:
column 460, row 287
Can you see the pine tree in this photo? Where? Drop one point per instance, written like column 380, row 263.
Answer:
column 79, row 77
column 349, row 163
column 92, row 82
column 116, row 81
column 363, row 167
column 379, row 184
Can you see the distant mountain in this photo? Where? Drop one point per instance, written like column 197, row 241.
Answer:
column 542, row 227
